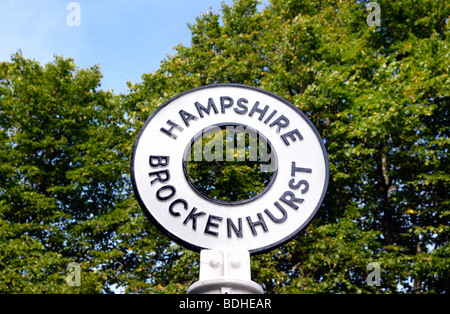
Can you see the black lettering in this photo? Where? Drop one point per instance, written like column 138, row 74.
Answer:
column 200, row 108
column 295, row 169
column 186, row 116
column 210, row 224
column 169, row 131
column 240, row 104
column 259, row 222
column 192, row 215
column 261, row 112
column 224, row 105
column 291, row 199
column 281, row 122
column 163, row 188
column 231, row 225
column 156, row 161
column 270, row 116
column 159, row 177
column 282, row 210
column 298, row 184
column 291, row 134
column 172, row 205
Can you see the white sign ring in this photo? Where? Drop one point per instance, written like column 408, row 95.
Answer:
column 297, row 158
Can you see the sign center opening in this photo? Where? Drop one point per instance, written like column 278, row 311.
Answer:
column 230, row 163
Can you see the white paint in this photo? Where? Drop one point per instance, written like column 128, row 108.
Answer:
column 308, row 152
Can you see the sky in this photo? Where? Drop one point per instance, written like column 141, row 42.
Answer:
column 126, row 37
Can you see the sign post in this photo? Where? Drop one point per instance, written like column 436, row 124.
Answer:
column 225, row 272
column 224, row 230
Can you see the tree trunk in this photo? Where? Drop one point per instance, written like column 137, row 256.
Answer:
column 387, row 216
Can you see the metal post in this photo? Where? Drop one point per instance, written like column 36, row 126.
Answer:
column 225, row 272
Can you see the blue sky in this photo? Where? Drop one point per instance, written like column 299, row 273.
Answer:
column 128, row 38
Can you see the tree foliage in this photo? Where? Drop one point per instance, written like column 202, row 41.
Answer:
column 241, row 170
column 379, row 96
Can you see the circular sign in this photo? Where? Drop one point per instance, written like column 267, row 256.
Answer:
column 229, row 123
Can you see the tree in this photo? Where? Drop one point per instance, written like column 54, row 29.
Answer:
column 378, row 95
column 61, row 176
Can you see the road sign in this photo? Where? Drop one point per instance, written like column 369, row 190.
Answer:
column 278, row 135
